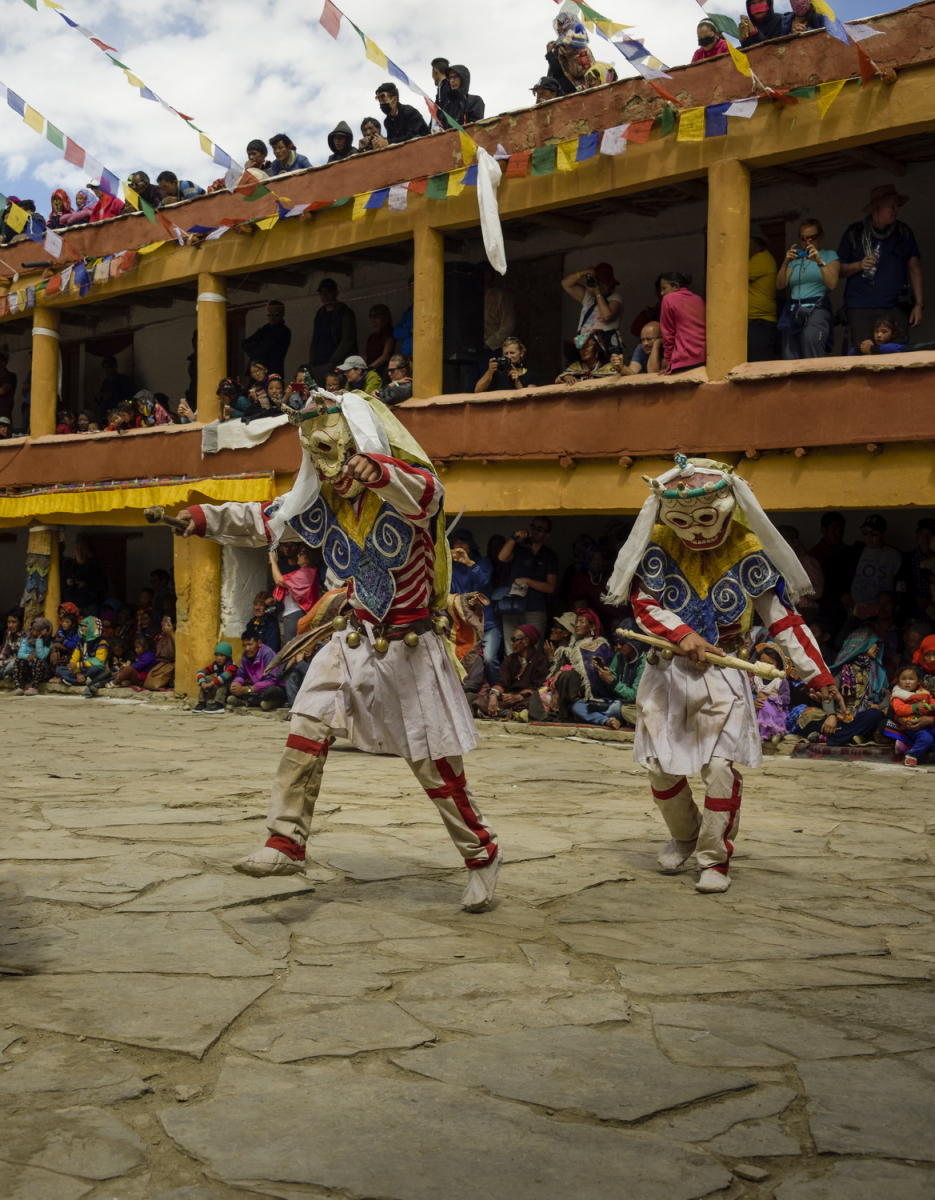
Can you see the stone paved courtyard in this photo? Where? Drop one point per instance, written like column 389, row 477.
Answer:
column 169, row 1029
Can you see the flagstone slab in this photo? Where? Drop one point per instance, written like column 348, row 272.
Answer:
column 54, row 846
column 702, row 1122
column 508, row 1014
column 338, row 924
column 859, row 1179
column 95, row 816
column 214, row 890
column 544, row 880
column 756, row 1139
column 78, row 1073
column 350, row 980
column 82, row 1141
column 896, row 1019
column 861, row 914
column 254, row 1131
column 865, row 839
column 373, row 855
column 612, row 1075
column 760, row 976
column 32, row 1183
column 469, row 980
column 162, row 1012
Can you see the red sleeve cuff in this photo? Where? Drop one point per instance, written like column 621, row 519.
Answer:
column 380, row 461
column 198, row 516
column 825, row 679
column 680, row 631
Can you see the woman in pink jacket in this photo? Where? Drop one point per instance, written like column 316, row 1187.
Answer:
column 682, row 317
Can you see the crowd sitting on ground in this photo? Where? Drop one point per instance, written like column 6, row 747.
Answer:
column 536, row 643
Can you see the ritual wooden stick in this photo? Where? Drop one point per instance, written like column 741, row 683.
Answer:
column 158, row 516
column 717, row 660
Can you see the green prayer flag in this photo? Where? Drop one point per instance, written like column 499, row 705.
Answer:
column 666, row 120
column 723, row 24
column 437, row 187
column 55, row 136
column 258, row 193
column 33, row 4
column 339, row 203
column 806, row 92
column 147, row 210
column 542, row 161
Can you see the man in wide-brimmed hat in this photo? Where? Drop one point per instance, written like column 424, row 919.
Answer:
column 881, row 262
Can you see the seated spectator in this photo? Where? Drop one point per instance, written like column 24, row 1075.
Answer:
column 88, row 665
column 581, row 674
column 106, row 206
column 255, row 683
column 257, row 163
column 912, row 716
column 341, row 142
column 811, row 275
column 770, row 696
column 61, row 207
column 161, row 674
column 380, row 343
column 334, row 331
column 924, row 657
column 172, row 190
column 32, row 231
column 599, row 73
column 148, row 411
column 6, row 428
column 523, row 671
column 862, row 682
column 802, row 18
column 889, row 337
column 462, row 106
column 335, row 382
column 506, row 370
column 371, row 137
column 299, row 390
column 264, row 624
column 214, row 680
column 120, row 418
column 762, row 343
column 760, row 24
column 285, row 156
column 592, row 362
column 626, row 671
column 647, row 357
column 401, row 121
column 601, row 305
column 711, row 43
column 297, row 591
column 399, row 387
column 257, row 375
column 234, row 401
column 133, row 674
column 66, row 638
column 147, row 191
column 546, row 89
column 358, row 375
column 184, row 413
column 86, row 423
column 85, row 200
column 561, row 632
column 682, row 318
column 11, row 640
column 65, row 421
column 258, row 405
column 274, row 389
column 31, row 666
column 466, row 612
column 270, row 343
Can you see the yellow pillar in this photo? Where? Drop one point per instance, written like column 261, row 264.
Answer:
column 211, row 343
column 197, row 571
column 53, row 595
column 728, row 255
column 428, row 318
column 45, row 371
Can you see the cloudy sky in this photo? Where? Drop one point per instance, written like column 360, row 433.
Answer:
column 250, row 68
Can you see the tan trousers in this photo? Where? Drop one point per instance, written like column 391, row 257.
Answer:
column 714, row 830
column 298, row 782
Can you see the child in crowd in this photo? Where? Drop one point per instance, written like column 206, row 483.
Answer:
column 67, row 637
column 254, row 684
column 264, row 624
column 910, row 700
column 32, row 657
column 889, row 337
column 335, row 381
column 770, row 696
column 274, row 390
column 214, row 680
column 89, row 662
column 161, row 674
column 299, row 390
column 11, row 641
column 133, row 674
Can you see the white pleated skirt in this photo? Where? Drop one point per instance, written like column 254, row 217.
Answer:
column 688, row 716
column 408, row 701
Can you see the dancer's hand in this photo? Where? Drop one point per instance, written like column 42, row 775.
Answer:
column 830, row 692
column 696, row 647
column 361, row 468
column 186, row 516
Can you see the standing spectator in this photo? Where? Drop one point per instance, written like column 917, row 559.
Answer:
column 296, row 590
column 32, row 658
column 808, row 605
column 507, row 370
column 399, row 387
column 761, row 303
column 811, row 274
column 568, row 56
column 341, row 142
column 533, row 577
column 760, row 24
column 710, row 42
column 7, row 386
column 257, row 163
column 380, row 342
column 335, row 381
column 462, row 106
column 401, row 121
column 601, row 306
column 234, row 403
column 285, row 156
column 919, row 567
column 264, row 624
column 65, row 421
column 371, row 137
column 114, row 388
column 61, row 207
column 877, row 567
column 106, row 206
column 440, row 79
column 499, row 309
column 82, row 577
column 214, row 680
column 881, row 262
column 547, row 89
column 359, row 377
column 147, row 191
column 647, row 357
column 6, row 428
column 173, row 190
column 161, row 674
column 270, row 343
column 802, row 18
column 837, row 561
column 255, row 682
column 523, row 671
column 592, row 362
column 334, row 332
column 889, row 337
column 682, row 317
column 11, row 640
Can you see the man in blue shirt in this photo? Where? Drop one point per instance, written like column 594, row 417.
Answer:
column 879, row 258
column 286, row 157
column 533, row 576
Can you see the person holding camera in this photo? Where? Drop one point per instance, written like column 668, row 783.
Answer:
column 601, row 305
column 811, row 274
column 506, row 370
column 533, row 578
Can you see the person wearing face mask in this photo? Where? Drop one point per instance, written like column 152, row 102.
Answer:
column 401, row 121
column 710, row 42
column 760, row 24
column 802, row 18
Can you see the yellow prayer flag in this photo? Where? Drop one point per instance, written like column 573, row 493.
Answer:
column 741, row 62
column 268, row 222
column 35, row 120
column 360, row 205
column 374, row 53
column 456, row 181
column 134, row 80
column 565, row 153
column 52, row 4
column 206, row 144
column 16, row 218
column 609, row 28
column 825, row 9
column 150, row 247
column 468, row 148
column 131, row 197
column 691, row 125
column 828, row 93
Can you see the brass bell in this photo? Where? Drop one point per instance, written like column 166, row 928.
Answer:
column 380, row 644
column 440, row 625
column 353, row 639
column 653, row 658
column 339, row 622
column 744, row 653
column 668, row 655
column 411, row 638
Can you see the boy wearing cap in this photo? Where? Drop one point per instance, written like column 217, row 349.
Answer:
column 214, row 680
column 359, row 377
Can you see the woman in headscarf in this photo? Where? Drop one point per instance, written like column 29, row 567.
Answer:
column 710, row 42
column 583, row 679
column 760, row 24
column 802, row 18
column 89, row 661
column 148, row 411
column 85, row 200
column 522, row 672
column 924, row 657
column 861, row 680
column 61, row 207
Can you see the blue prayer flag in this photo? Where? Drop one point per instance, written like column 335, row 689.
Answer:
column 222, row 158
column 470, row 176
column 398, row 72
column 378, row 198
column 587, row 146
column 715, row 120
column 838, row 30
column 109, row 182
column 17, row 103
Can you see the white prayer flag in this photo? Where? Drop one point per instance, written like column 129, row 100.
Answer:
column 218, row 233
column 614, row 140
column 743, row 108
column 398, row 197
column 859, row 32
column 52, row 243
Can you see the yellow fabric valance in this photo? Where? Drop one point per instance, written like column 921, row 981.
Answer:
column 113, row 499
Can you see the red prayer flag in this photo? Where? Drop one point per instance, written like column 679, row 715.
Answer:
column 330, row 19
column 102, row 45
column 867, row 69
column 74, row 153
column 418, row 185
column 653, row 83
column 639, row 131
column 518, row 165
column 54, row 286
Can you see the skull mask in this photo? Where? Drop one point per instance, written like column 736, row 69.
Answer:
column 700, row 522
column 328, row 442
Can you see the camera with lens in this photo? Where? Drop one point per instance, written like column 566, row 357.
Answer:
column 503, row 363
column 590, row 280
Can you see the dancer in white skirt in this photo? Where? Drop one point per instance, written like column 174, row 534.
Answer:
column 703, row 557
column 368, row 497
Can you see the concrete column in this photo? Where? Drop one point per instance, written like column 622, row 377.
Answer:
column 45, row 371
column 428, row 320
column 211, row 343
column 728, row 255
column 197, row 577
column 53, row 595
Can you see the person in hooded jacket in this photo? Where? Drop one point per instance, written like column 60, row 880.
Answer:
column 760, row 24
column 462, row 106
column 802, row 18
column 341, row 142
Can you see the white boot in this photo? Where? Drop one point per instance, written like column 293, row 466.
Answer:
column 269, row 861
column 711, row 880
column 674, row 855
column 482, row 883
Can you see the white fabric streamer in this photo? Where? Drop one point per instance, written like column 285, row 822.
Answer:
column 488, row 180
